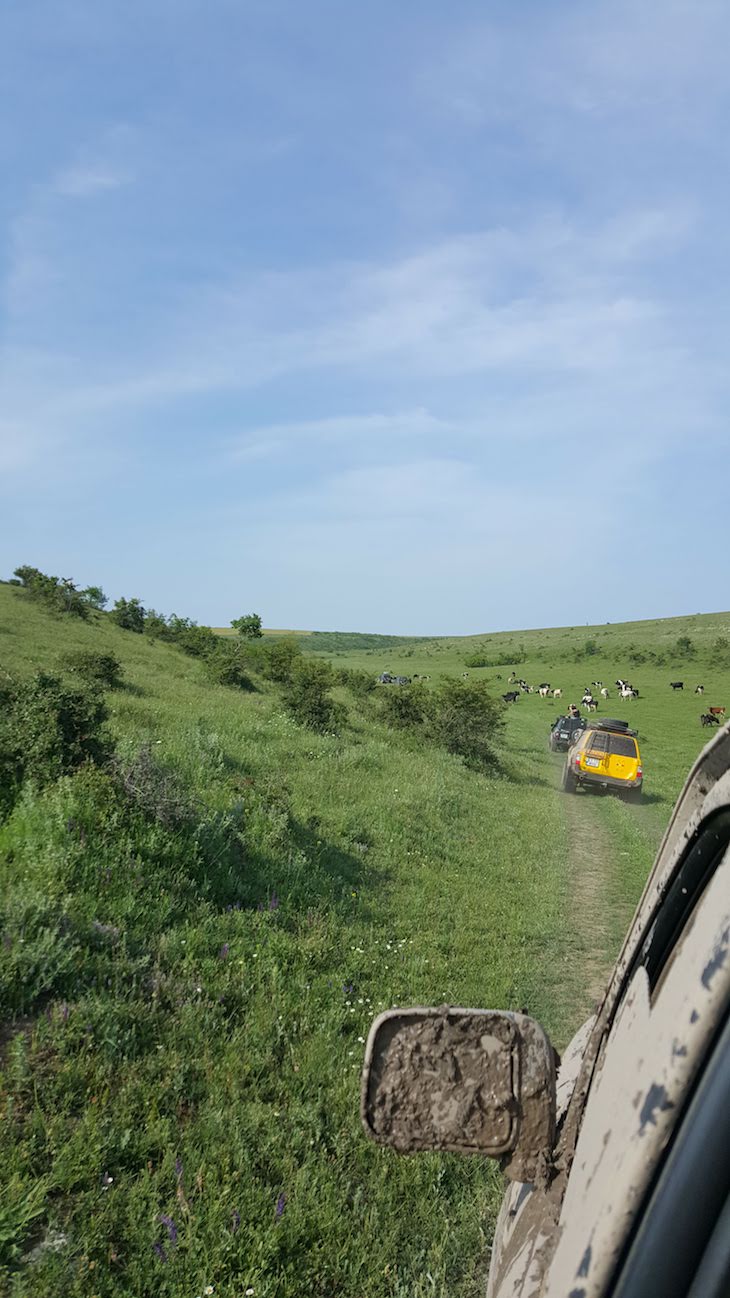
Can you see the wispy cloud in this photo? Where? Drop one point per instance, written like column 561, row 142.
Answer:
column 83, row 181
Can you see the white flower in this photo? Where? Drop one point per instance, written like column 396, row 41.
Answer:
column 248, row 1292
column 361, row 1040
column 208, row 1290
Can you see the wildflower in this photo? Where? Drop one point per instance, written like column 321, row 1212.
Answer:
column 273, row 902
column 348, row 988
column 280, row 1206
column 248, row 1292
column 208, row 1290
column 178, row 1168
column 159, row 1252
column 361, row 1040
column 235, row 1221
column 106, row 1181
column 223, row 953
column 170, row 1226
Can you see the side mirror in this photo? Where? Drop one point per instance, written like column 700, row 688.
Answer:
column 467, row 1081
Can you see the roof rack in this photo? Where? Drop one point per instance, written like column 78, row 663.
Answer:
column 610, row 723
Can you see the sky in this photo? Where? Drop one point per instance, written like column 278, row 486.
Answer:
column 406, row 318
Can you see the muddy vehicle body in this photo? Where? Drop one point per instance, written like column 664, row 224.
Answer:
column 617, row 1157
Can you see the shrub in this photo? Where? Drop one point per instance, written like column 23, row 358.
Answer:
column 224, row 667
column 720, row 652
column 404, row 707
column 306, row 695
column 360, row 684
column 465, row 719
column 129, row 615
column 198, row 641
column 277, row 659
column 49, row 728
column 103, row 669
column 684, row 648
column 155, row 625
column 477, row 660
column 58, row 593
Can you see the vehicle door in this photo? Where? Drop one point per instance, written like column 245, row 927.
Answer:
column 623, row 759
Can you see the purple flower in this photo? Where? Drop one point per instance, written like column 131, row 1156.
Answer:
column 170, row 1226
column 235, row 1221
column 348, row 989
column 159, row 1251
column 63, row 1012
column 223, row 953
column 178, row 1168
column 273, row 902
column 280, row 1206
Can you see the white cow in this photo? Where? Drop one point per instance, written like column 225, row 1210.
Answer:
column 557, row 694
column 604, row 693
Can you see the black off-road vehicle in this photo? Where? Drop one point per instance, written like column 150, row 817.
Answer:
column 563, row 733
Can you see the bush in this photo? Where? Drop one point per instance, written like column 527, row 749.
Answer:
column 720, row 652
column 684, row 647
column 129, row 615
column 306, row 695
column 465, row 719
column 224, row 667
column 404, row 707
column 49, row 728
column 360, row 684
column 155, row 625
column 477, row 660
column 277, row 659
column 96, row 668
column 58, row 593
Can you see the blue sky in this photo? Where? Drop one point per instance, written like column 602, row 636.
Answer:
column 393, row 317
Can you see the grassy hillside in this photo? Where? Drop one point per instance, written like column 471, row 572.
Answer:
column 196, row 938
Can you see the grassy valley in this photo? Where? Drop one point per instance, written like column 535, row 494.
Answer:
column 198, row 930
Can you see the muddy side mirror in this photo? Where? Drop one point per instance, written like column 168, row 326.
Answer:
column 468, row 1081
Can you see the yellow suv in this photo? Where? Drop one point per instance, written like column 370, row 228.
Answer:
column 606, row 754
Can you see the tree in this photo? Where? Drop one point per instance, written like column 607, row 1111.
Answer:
column 95, row 597
column 248, row 626
column 128, row 614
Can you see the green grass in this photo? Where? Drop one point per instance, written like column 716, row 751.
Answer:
column 188, row 975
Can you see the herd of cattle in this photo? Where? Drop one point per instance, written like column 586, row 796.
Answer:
column 626, row 692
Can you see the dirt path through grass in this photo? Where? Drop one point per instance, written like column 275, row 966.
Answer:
column 588, row 863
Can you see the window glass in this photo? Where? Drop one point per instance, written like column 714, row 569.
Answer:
column 623, row 745
column 598, row 742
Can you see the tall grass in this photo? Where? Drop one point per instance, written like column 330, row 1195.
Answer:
column 195, row 940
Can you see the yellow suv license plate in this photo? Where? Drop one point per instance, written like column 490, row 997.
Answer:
column 592, row 761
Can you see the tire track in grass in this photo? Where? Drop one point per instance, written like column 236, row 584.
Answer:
column 590, row 930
